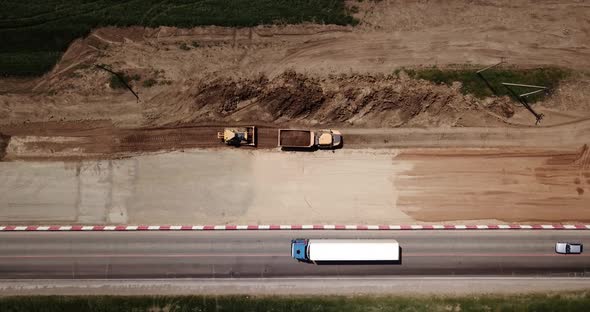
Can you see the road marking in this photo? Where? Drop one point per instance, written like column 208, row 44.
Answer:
column 266, row 227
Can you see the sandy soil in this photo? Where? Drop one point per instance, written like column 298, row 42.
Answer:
column 228, row 186
column 494, row 184
column 315, row 74
column 305, row 76
column 265, row 187
column 74, row 141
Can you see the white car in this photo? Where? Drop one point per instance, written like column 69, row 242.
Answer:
column 569, row 248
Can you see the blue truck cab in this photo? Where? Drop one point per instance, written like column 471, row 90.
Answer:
column 299, row 250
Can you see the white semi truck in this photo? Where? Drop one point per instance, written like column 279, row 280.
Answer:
column 320, row 251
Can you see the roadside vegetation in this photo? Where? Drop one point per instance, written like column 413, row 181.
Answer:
column 472, row 84
column 35, row 33
column 577, row 301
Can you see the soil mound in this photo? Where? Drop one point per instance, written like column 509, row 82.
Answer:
column 293, row 95
column 358, row 100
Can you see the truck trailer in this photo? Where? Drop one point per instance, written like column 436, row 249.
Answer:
column 307, row 139
column 327, row 251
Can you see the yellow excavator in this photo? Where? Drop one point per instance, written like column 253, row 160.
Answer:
column 238, row 136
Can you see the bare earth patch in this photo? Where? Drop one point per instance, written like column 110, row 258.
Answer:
column 348, row 187
column 193, row 82
column 243, row 74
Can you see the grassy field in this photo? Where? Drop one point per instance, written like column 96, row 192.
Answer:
column 35, row 33
column 472, row 84
column 577, row 302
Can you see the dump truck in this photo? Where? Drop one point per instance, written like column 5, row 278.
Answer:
column 238, row 136
column 334, row 251
column 324, row 139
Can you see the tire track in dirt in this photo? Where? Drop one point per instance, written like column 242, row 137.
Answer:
column 67, row 142
column 75, row 140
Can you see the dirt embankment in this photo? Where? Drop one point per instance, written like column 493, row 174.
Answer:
column 302, row 75
column 291, row 98
column 349, row 100
column 180, row 69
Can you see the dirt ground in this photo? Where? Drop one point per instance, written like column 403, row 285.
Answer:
column 74, row 141
column 389, row 186
column 306, row 76
column 474, row 184
column 316, row 74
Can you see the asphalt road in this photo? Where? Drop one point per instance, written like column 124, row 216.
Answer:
column 237, row 254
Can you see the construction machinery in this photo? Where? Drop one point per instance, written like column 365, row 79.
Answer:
column 307, row 139
column 238, row 136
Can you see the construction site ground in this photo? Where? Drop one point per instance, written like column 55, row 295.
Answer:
column 101, row 140
column 74, row 150
column 311, row 74
column 350, row 186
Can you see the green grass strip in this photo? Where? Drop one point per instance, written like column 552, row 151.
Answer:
column 576, row 301
column 549, row 77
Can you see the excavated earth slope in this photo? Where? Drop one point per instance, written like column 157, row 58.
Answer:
column 299, row 76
